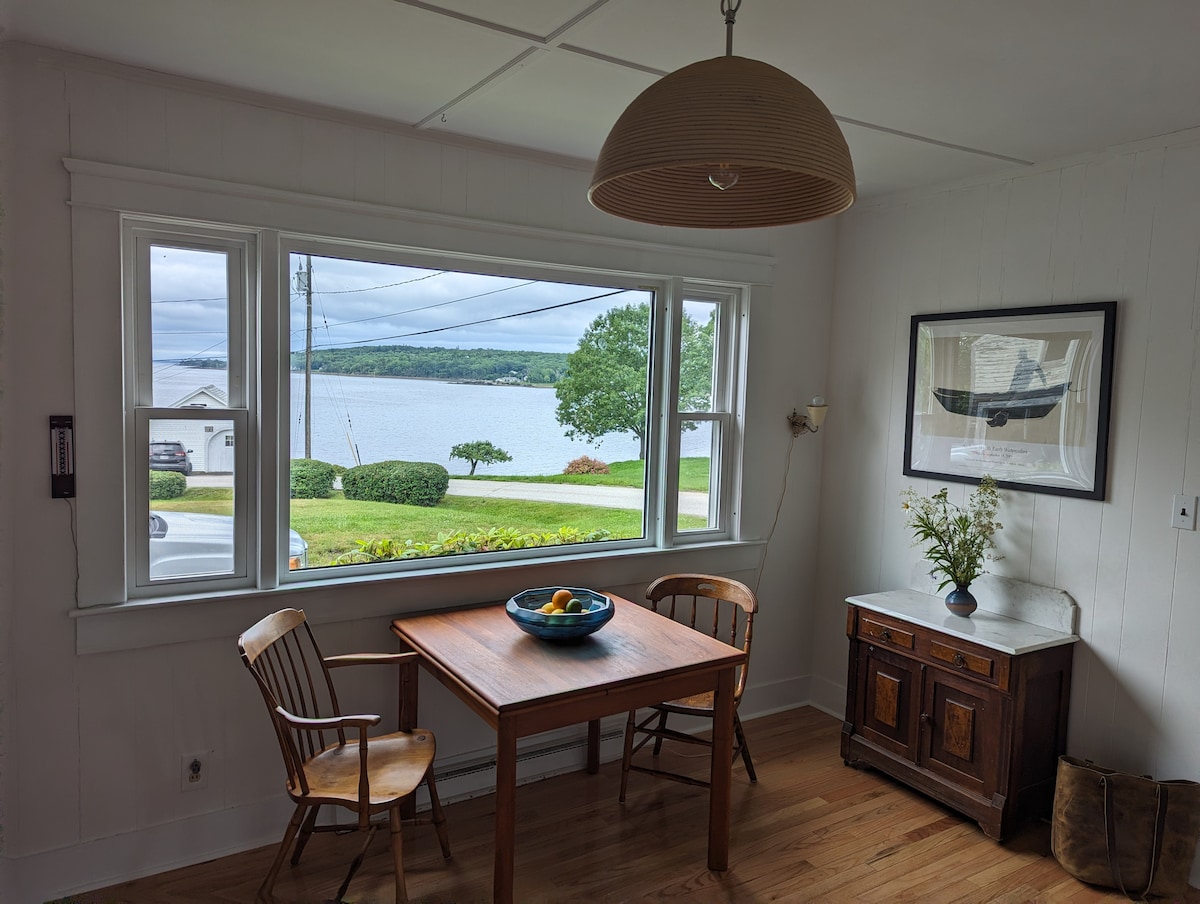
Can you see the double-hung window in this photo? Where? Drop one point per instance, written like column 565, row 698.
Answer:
column 305, row 409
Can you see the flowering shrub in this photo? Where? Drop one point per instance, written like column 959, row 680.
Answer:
column 586, row 465
column 462, row 542
column 956, row 539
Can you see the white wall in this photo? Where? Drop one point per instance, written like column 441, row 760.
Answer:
column 90, row 744
column 1122, row 225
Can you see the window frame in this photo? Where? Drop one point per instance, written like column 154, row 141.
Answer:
column 240, row 247
column 263, row 442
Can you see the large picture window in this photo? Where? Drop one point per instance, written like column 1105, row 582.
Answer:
column 419, row 409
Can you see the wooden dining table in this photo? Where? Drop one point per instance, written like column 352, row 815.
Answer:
column 521, row 685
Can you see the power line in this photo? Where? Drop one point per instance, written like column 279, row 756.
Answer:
column 458, row 326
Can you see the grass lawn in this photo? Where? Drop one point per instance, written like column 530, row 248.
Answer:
column 331, row 526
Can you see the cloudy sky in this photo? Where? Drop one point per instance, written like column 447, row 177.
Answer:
column 358, row 303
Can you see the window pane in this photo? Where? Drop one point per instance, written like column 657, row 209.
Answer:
column 497, row 385
column 189, row 315
column 697, row 362
column 191, row 497
column 698, row 458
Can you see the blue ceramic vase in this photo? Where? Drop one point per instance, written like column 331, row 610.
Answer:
column 960, row 601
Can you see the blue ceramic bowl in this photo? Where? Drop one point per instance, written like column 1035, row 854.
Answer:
column 523, row 608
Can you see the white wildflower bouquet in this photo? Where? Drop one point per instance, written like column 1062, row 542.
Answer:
column 956, row 539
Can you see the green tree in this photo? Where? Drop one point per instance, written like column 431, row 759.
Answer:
column 604, row 387
column 479, row 451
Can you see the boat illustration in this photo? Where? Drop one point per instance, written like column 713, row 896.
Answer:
column 998, row 408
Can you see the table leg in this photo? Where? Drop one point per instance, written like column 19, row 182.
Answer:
column 721, row 773
column 593, row 748
column 506, row 811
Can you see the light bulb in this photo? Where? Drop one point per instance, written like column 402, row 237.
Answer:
column 725, row 177
column 817, row 401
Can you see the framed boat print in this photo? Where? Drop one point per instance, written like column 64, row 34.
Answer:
column 1022, row 394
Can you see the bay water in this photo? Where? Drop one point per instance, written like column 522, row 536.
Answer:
column 358, row 419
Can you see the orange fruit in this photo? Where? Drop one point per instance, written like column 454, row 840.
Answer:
column 561, row 598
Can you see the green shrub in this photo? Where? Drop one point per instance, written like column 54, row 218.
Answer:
column 460, row 542
column 401, row 482
column 586, row 465
column 167, row 484
column 312, row 479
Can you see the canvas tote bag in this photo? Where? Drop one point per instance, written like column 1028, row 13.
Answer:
column 1124, row 831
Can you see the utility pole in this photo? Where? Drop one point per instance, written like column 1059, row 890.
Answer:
column 308, row 358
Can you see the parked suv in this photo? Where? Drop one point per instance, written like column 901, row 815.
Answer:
column 170, row 456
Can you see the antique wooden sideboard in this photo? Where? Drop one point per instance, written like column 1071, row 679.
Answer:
column 970, row 711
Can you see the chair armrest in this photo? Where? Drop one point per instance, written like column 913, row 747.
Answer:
column 331, row 723
column 334, row 662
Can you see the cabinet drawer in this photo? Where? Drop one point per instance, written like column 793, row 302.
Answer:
column 869, row 628
column 964, row 660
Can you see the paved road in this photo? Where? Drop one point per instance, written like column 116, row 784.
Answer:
column 690, row 503
column 608, row 497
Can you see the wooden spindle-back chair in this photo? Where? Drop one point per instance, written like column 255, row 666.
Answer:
column 724, row 609
column 328, row 756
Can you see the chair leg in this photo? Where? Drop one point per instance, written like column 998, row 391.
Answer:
column 293, row 826
column 439, row 818
column 658, row 740
column 741, row 741
column 628, row 754
column 396, row 829
column 306, row 831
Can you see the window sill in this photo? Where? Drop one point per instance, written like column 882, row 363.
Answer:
column 179, row 619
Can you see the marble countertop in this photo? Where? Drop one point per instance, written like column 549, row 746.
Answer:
column 986, row 628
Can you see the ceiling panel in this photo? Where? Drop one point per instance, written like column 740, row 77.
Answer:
column 1023, row 79
column 371, row 56
column 886, row 163
column 537, row 17
column 563, row 101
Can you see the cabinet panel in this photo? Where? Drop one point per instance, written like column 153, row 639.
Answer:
column 963, row 724
column 891, row 691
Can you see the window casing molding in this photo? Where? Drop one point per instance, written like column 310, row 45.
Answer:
column 105, row 196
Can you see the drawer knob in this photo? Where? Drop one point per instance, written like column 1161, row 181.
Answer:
column 960, row 660
column 885, row 635
column 926, row 718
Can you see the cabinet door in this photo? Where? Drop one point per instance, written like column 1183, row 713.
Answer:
column 963, row 736
column 888, row 693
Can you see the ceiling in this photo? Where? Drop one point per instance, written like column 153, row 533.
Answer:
column 926, row 91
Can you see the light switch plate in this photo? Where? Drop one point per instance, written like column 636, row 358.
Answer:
column 1183, row 512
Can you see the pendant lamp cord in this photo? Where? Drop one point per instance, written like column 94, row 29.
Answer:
column 729, row 8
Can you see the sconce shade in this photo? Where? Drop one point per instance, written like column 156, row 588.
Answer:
column 727, row 114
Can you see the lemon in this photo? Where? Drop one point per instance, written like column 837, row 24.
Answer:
column 548, row 608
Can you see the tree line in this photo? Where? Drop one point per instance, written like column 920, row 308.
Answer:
column 438, row 363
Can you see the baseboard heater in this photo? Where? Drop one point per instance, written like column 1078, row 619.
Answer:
column 475, row 768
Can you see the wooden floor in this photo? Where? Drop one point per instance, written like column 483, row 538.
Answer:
column 812, row 829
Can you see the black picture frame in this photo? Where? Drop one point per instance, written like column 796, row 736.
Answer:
column 1021, row 394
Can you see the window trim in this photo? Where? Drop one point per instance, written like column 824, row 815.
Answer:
column 101, row 194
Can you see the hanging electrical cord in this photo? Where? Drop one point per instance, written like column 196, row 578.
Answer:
column 787, row 467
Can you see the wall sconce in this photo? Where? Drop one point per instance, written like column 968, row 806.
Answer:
column 811, row 422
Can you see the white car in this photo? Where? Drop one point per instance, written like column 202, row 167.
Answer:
column 187, row 543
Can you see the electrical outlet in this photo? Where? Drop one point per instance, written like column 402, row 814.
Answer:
column 1183, row 512
column 193, row 771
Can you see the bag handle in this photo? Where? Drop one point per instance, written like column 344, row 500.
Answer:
column 1110, row 835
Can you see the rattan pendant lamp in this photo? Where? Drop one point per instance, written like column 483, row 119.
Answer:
column 725, row 143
